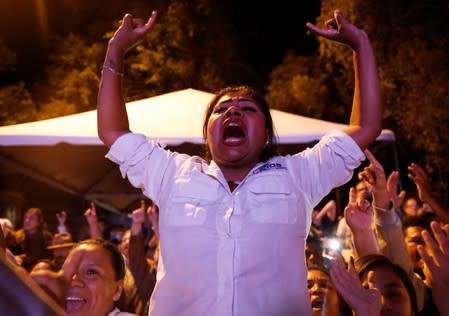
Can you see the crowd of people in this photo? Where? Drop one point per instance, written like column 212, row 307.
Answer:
column 96, row 275
column 235, row 232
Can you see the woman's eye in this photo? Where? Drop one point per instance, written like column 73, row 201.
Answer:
column 249, row 109
column 393, row 294
column 219, row 110
column 91, row 272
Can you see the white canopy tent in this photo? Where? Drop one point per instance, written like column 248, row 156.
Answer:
column 65, row 152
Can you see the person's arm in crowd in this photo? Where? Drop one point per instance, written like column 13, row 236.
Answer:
column 143, row 273
column 62, row 217
column 366, row 116
column 92, row 220
column 388, row 224
column 363, row 302
column 435, row 254
column 329, row 210
column 111, row 115
column 359, row 216
column 424, row 187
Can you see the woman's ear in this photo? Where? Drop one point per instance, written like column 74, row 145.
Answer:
column 118, row 291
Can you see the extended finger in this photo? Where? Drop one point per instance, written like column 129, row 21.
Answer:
column 352, row 196
column 370, row 156
column 432, row 248
column 440, row 237
column 127, row 20
column 417, row 170
column 374, row 162
column 338, row 16
column 93, row 208
column 71, row 264
column 151, row 209
column 152, row 19
column 315, row 29
column 393, row 179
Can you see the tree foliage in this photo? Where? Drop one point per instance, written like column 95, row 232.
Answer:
column 16, row 105
column 412, row 51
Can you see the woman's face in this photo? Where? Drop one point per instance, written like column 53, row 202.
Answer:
column 93, row 288
column 411, row 207
column 323, row 295
column 236, row 131
column 413, row 238
column 31, row 222
column 395, row 298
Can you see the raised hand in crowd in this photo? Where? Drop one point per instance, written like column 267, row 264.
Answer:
column 62, row 217
column 138, row 218
column 422, row 181
column 424, row 186
column 359, row 217
column 92, row 220
column 366, row 302
column 374, row 177
column 154, row 219
column 392, row 187
column 435, row 255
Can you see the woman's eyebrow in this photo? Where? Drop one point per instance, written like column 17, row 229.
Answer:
column 230, row 100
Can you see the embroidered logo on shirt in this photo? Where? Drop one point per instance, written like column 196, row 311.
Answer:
column 268, row 166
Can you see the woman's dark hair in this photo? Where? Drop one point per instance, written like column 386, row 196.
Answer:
column 271, row 148
column 118, row 263
column 369, row 262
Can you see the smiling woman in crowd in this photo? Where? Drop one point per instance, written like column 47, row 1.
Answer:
column 90, row 281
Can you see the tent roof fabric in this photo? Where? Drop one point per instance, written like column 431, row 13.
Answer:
column 172, row 119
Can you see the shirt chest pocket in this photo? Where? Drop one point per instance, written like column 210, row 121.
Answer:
column 273, row 202
column 191, row 202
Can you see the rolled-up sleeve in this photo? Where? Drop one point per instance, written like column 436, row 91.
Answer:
column 328, row 164
column 345, row 147
column 142, row 161
column 128, row 150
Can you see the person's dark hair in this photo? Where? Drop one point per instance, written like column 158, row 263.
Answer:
column 270, row 149
column 369, row 262
column 118, row 263
column 422, row 221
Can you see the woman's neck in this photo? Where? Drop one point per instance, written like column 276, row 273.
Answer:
column 235, row 174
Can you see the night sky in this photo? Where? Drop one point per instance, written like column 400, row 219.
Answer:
column 271, row 28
